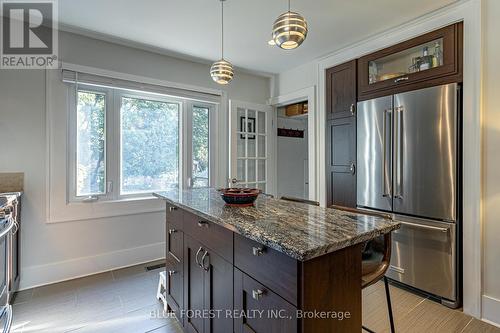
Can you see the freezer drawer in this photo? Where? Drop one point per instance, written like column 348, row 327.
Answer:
column 424, row 256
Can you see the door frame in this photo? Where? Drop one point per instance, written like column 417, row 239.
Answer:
column 271, row 140
column 308, row 94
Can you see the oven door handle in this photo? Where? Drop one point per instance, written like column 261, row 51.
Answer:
column 8, row 228
column 8, row 323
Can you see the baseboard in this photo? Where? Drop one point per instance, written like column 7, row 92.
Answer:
column 491, row 310
column 39, row 275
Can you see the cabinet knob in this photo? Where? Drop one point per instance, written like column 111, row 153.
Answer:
column 171, row 231
column 203, row 224
column 172, row 208
column 352, row 169
column 257, row 294
column 257, row 251
column 170, row 273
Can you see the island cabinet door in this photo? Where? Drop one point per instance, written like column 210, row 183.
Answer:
column 218, row 293
column 194, row 289
column 259, row 310
column 174, row 288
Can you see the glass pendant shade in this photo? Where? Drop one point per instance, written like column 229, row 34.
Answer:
column 222, row 71
column 289, row 30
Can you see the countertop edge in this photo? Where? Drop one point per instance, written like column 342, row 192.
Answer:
column 307, row 255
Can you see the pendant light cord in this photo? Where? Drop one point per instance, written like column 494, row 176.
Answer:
column 222, row 30
column 288, row 5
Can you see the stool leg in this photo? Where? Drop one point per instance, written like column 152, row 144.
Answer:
column 389, row 305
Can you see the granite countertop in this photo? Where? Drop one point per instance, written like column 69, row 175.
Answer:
column 299, row 230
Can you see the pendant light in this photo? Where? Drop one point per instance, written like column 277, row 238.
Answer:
column 222, row 71
column 289, row 30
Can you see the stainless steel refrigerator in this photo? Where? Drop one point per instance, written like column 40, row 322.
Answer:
column 408, row 159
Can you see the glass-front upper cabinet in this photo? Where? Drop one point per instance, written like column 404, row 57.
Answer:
column 412, row 64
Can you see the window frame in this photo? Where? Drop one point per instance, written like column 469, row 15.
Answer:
column 72, row 141
column 188, row 161
column 120, row 93
column 113, row 137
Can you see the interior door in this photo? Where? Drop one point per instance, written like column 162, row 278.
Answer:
column 252, row 139
column 425, row 152
column 374, row 153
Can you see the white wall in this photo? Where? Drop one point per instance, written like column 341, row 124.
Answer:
column 491, row 160
column 297, row 78
column 57, row 251
column 291, row 154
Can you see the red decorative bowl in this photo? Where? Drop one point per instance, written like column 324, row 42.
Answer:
column 240, row 197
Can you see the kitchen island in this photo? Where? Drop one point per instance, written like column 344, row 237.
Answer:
column 277, row 266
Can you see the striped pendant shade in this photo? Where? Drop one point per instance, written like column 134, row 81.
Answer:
column 222, row 71
column 289, row 30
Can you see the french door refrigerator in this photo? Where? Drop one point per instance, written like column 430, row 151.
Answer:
column 408, row 158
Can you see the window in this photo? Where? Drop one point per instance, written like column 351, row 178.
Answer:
column 149, row 145
column 90, row 143
column 201, row 144
column 126, row 143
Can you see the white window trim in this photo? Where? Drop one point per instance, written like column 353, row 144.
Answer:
column 58, row 207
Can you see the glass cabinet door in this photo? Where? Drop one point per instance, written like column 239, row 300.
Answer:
column 427, row 60
column 418, row 58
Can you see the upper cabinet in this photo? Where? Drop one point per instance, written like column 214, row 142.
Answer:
column 431, row 59
column 341, row 90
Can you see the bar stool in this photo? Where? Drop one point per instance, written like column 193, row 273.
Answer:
column 376, row 258
column 309, row 202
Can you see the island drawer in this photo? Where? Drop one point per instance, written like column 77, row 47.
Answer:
column 174, row 217
column 267, row 311
column 273, row 269
column 213, row 236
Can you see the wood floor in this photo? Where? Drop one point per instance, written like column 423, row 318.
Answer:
column 124, row 301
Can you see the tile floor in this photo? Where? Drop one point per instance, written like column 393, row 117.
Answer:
column 124, row 301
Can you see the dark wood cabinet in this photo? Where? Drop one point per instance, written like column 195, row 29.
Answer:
column 208, row 293
column 174, row 260
column 341, row 90
column 432, row 59
column 341, row 162
column 194, row 282
column 208, row 288
column 268, row 312
column 341, row 101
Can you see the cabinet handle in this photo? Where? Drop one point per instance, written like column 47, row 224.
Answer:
column 170, row 273
column 197, row 254
column 401, row 79
column 257, row 251
column 172, row 208
column 203, row 224
column 203, row 261
column 257, row 294
column 171, row 231
column 352, row 109
column 352, row 169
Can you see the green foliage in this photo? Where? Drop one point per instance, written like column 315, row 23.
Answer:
column 90, row 143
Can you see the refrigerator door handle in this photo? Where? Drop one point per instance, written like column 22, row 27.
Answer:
column 398, row 154
column 385, row 168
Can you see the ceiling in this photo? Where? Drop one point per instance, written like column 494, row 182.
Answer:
column 192, row 27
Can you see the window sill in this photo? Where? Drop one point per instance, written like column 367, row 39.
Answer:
column 78, row 211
